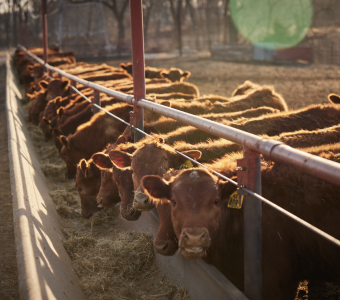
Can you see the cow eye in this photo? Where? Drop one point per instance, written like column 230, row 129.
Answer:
column 173, row 202
column 216, row 201
column 80, row 189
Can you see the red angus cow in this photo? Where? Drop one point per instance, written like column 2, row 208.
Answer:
column 92, row 136
column 88, row 183
column 206, row 228
column 165, row 242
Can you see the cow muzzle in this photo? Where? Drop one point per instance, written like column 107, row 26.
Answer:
column 194, row 242
column 131, row 214
column 167, row 248
column 142, row 202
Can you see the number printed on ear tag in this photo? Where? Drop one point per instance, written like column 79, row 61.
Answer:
column 235, row 200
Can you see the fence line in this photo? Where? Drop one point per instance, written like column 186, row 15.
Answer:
column 259, row 197
column 271, row 149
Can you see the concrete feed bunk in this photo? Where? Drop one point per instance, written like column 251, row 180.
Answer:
column 44, row 267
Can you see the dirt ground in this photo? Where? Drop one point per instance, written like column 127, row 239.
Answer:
column 300, row 84
column 8, row 266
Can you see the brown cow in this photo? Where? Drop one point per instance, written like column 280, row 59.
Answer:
column 207, row 229
column 89, row 184
column 165, row 242
column 245, row 88
column 56, row 88
column 93, row 135
column 175, row 74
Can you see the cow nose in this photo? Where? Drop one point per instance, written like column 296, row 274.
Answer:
column 195, row 237
column 166, row 248
column 131, row 215
column 142, row 202
column 100, row 200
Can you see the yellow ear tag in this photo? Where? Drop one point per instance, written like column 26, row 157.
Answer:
column 187, row 165
column 50, row 126
column 86, row 172
column 235, row 200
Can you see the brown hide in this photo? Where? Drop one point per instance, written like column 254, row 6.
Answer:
column 87, row 185
column 245, row 88
column 92, row 136
column 290, row 252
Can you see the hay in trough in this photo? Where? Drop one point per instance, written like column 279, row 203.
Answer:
column 122, row 268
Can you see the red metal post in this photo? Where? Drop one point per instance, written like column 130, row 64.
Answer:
column 20, row 28
column 96, row 99
column 137, row 39
column 73, row 83
column 44, row 25
column 26, row 31
column 249, row 175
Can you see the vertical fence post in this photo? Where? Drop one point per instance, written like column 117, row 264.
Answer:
column 44, row 25
column 26, row 31
column 20, row 27
column 72, row 83
column 136, row 15
column 249, row 174
column 96, row 99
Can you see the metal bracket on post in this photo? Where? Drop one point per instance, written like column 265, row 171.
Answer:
column 133, row 122
column 249, row 175
column 96, row 99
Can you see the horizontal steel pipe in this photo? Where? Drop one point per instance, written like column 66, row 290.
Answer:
column 273, row 150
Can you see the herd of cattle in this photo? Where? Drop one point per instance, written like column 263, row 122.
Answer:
column 191, row 202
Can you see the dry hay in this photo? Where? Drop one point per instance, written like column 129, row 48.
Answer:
column 122, row 268
column 119, row 266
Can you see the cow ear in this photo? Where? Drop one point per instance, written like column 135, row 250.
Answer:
column 120, row 159
column 43, row 84
column 30, row 68
column 57, row 100
column 65, row 84
column 164, row 74
column 45, row 94
column 156, row 187
column 84, row 166
column 61, row 111
column 186, row 75
column 121, row 140
column 57, row 132
column 165, row 103
column 102, row 161
column 227, row 188
column 194, row 154
column 334, row 98
column 123, row 66
column 64, row 140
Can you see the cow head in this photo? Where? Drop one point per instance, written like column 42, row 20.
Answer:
column 108, row 195
column 122, row 177
column 165, row 242
column 153, row 158
column 55, row 88
column 196, row 206
column 70, row 155
column 47, row 122
column 37, row 71
column 87, row 185
column 127, row 67
column 38, row 107
column 175, row 74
